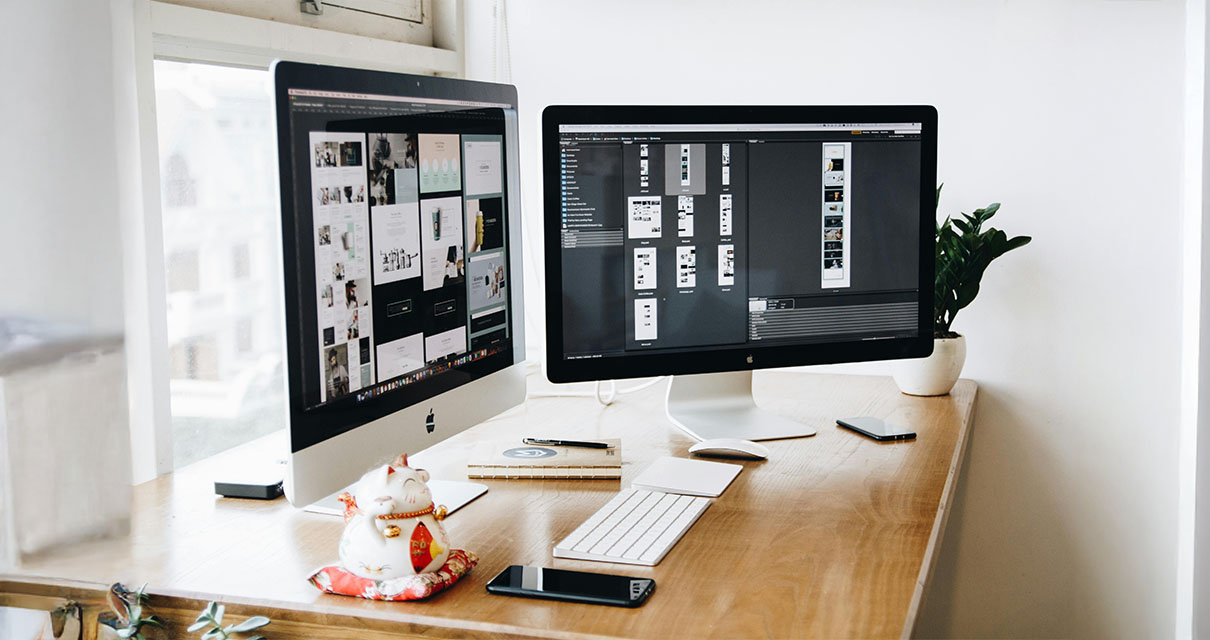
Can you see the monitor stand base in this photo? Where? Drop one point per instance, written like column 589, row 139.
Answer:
column 720, row 405
column 454, row 494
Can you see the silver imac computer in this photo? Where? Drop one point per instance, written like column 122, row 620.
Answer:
column 401, row 249
column 706, row 242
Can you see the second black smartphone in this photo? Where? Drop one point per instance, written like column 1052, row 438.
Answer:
column 876, row 429
column 573, row 586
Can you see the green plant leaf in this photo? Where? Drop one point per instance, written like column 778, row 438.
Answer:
column 987, row 212
column 218, row 614
column 198, row 626
column 255, row 622
column 966, row 295
column 1019, row 241
column 964, row 250
column 214, row 634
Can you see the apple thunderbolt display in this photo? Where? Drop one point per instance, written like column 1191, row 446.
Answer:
column 706, row 242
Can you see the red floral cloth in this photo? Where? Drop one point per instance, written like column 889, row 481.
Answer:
column 333, row 579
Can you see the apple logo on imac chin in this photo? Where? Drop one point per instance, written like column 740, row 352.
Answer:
column 430, row 422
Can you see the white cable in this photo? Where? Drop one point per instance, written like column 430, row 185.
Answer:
column 640, row 387
column 614, row 392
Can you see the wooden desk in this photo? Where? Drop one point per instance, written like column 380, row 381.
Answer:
column 832, row 536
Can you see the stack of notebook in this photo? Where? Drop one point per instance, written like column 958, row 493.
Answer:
column 512, row 459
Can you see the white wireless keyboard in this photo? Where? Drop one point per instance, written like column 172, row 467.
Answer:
column 635, row 527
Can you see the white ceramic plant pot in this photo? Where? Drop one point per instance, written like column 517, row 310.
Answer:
column 936, row 374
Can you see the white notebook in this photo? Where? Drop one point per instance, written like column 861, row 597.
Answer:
column 687, row 477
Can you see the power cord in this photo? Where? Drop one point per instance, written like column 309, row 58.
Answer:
column 607, row 400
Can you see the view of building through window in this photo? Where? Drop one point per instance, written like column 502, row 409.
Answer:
column 219, row 181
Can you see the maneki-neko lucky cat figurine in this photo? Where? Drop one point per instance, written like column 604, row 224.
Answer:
column 392, row 528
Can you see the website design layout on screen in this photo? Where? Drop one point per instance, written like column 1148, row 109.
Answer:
column 684, row 237
column 408, row 241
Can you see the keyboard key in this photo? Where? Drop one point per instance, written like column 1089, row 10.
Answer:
column 635, row 531
column 597, row 518
column 656, row 530
column 678, row 528
column 615, row 534
column 613, row 519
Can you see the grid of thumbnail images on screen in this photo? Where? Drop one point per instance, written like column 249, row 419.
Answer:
column 644, row 222
column 409, row 256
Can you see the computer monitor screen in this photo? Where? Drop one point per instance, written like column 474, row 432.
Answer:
column 398, row 255
column 700, row 239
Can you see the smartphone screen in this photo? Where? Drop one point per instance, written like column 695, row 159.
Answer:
column 575, row 586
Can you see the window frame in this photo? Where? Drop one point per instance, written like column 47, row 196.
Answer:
column 186, row 34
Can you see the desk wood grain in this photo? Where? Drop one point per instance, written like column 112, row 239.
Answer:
column 833, row 536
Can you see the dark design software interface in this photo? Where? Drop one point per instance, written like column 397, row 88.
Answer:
column 700, row 236
column 404, row 275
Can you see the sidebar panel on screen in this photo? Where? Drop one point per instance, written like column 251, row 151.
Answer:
column 592, row 220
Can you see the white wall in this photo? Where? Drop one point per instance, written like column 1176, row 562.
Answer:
column 61, row 257
column 1070, row 113
column 1199, row 449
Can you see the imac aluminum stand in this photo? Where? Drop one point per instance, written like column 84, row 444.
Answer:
column 720, row 405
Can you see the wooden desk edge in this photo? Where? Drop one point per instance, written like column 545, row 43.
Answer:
column 943, row 513
column 40, row 592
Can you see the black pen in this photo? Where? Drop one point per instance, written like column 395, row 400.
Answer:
column 566, row 443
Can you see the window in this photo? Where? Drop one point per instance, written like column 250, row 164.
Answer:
column 182, row 270
column 218, row 182
column 241, row 262
column 243, row 336
column 217, row 206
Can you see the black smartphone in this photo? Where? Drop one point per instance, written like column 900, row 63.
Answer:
column 573, row 586
column 876, row 429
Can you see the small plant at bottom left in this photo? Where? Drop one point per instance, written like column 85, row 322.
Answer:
column 126, row 615
column 211, row 620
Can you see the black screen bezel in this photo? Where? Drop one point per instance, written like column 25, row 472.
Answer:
column 312, row 425
column 747, row 357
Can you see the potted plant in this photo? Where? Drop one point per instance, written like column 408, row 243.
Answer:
column 964, row 250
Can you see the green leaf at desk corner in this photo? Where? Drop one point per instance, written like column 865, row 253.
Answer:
column 255, row 622
column 201, row 623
